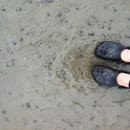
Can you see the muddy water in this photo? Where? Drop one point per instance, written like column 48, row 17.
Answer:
column 46, row 57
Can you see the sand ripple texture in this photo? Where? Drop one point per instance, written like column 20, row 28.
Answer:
column 46, row 57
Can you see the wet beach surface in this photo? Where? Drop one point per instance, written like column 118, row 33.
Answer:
column 46, row 57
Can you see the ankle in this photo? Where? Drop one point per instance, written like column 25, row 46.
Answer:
column 125, row 55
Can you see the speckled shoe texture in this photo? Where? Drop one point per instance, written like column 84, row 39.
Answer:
column 109, row 50
column 106, row 76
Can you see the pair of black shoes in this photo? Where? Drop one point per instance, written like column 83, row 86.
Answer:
column 108, row 50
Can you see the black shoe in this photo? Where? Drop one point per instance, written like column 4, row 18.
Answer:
column 107, row 76
column 109, row 50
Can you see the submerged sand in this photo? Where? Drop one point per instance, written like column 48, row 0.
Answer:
column 46, row 57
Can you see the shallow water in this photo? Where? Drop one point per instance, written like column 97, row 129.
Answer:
column 47, row 53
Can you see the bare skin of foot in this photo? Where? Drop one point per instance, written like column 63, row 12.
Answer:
column 125, row 55
column 123, row 79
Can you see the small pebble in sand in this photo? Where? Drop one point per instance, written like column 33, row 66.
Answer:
column 92, row 118
column 12, row 53
column 15, row 43
column 3, row 112
column 27, row 33
column 81, row 33
column 67, row 10
column 76, row 57
column 7, row 65
column 101, row 26
column 94, row 106
column 48, row 1
column 96, row 127
column 30, row 1
column 109, row 28
column 77, row 8
column 66, row 38
column 30, row 44
column 18, row 9
column 125, row 36
column 66, row 21
column 28, row 105
column 59, row 14
column 12, row 60
column 118, row 116
column 6, row 119
column 21, row 39
column 50, row 35
column 53, row 57
column 114, row 9
column 34, row 121
column 22, row 29
column 48, row 14
column 111, row 20
column 89, row 23
column 91, row 34
column 9, row 93
column 61, row 20
column 39, row 56
column 3, row 9
column 36, row 107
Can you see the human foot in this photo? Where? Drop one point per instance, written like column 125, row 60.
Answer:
column 125, row 55
column 109, row 50
column 123, row 79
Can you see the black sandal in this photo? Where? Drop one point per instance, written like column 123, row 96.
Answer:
column 109, row 50
column 107, row 76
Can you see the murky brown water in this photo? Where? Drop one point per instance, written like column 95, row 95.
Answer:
column 47, row 53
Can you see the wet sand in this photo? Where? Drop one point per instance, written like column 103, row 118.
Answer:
column 46, row 57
